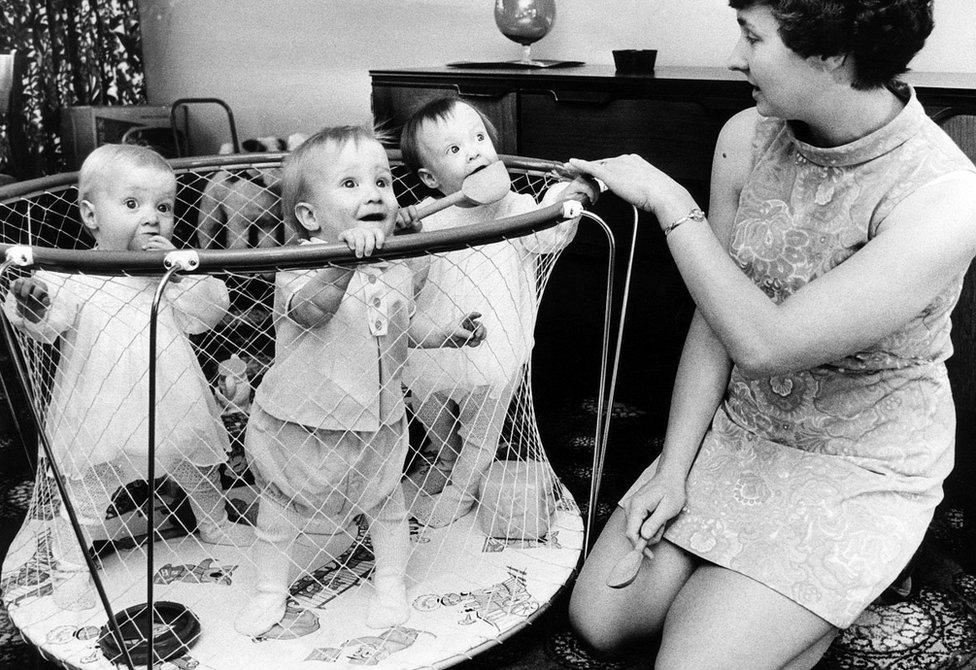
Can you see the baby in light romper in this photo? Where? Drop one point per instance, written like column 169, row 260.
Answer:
column 327, row 433
column 462, row 396
column 96, row 420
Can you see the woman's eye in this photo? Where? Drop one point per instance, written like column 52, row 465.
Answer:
column 131, row 203
column 349, row 183
column 751, row 39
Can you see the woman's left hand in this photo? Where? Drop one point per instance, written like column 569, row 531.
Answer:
column 633, row 179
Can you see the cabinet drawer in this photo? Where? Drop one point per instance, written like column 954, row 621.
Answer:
column 676, row 136
column 392, row 105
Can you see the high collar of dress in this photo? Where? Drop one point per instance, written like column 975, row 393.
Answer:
column 893, row 134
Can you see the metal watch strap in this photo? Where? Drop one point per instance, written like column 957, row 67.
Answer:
column 694, row 215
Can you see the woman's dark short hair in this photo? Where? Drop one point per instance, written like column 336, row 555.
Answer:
column 882, row 36
column 435, row 110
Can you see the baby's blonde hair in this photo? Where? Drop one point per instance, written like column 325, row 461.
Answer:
column 100, row 163
column 299, row 167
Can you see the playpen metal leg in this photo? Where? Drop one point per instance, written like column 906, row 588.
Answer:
column 151, row 449
column 62, row 488
column 605, row 394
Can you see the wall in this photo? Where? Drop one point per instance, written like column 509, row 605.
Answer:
column 288, row 65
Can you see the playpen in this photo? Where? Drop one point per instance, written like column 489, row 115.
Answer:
column 470, row 585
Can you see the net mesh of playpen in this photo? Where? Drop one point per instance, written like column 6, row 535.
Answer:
column 385, row 456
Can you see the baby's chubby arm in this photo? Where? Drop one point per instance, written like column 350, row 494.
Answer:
column 199, row 302
column 315, row 302
column 425, row 334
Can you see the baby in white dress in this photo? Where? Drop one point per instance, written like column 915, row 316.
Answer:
column 462, row 396
column 96, row 420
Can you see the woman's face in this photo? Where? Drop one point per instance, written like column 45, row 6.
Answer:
column 785, row 84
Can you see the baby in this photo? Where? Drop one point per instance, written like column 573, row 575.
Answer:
column 327, row 433
column 462, row 397
column 96, row 420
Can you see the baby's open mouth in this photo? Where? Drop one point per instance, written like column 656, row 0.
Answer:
column 373, row 218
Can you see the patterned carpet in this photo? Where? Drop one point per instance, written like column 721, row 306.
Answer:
column 933, row 627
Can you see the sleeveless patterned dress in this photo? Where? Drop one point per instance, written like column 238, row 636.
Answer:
column 820, row 484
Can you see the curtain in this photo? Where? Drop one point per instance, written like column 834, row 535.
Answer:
column 77, row 52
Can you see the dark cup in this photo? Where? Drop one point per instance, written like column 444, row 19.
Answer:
column 635, row 61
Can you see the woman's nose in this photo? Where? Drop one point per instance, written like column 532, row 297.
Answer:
column 737, row 59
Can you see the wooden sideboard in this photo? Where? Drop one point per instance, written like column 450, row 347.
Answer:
column 672, row 118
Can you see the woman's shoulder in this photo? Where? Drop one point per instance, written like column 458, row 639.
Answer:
column 744, row 138
column 748, row 134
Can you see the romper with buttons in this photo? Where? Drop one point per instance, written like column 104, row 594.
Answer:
column 328, row 430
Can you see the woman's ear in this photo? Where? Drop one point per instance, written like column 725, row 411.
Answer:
column 88, row 214
column 305, row 214
column 829, row 63
column 428, row 179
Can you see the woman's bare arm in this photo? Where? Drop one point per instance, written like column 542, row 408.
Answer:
column 928, row 239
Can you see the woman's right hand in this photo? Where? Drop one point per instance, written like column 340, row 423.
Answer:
column 654, row 504
column 635, row 180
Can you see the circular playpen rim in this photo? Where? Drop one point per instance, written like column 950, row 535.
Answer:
column 142, row 262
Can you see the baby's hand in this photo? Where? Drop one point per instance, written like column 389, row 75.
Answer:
column 158, row 243
column 407, row 221
column 470, row 332
column 363, row 239
column 583, row 185
column 32, row 298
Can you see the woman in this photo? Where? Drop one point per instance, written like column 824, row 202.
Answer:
column 811, row 424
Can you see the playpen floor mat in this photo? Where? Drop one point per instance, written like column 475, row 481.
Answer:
column 466, row 592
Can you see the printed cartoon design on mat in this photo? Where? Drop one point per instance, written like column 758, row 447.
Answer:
column 297, row 622
column 418, row 532
column 206, row 572
column 330, row 581
column 500, row 605
column 33, row 578
column 182, row 663
column 496, row 545
column 369, row 649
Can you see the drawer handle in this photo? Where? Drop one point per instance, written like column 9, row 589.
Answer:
column 598, row 98
column 467, row 92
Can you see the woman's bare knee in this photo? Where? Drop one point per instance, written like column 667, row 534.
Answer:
column 724, row 620
column 593, row 625
column 613, row 620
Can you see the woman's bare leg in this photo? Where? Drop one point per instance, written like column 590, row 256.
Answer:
column 722, row 619
column 611, row 620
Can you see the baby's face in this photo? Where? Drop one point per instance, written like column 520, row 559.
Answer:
column 454, row 147
column 130, row 206
column 354, row 188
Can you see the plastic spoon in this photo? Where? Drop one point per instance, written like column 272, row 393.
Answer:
column 625, row 570
column 488, row 184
